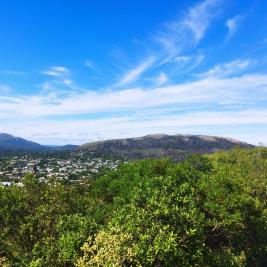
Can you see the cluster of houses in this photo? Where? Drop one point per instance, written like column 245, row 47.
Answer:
column 75, row 167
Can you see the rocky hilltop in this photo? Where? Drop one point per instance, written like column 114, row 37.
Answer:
column 161, row 145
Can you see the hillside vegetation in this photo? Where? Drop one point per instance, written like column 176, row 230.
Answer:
column 160, row 146
column 205, row 211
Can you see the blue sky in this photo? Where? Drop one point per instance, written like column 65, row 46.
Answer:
column 78, row 71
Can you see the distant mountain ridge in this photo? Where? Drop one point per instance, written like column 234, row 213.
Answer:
column 161, row 145
column 149, row 146
column 9, row 142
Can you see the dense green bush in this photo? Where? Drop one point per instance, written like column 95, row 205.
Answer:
column 206, row 211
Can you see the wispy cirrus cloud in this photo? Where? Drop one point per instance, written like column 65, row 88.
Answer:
column 200, row 16
column 61, row 77
column 228, row 69
column 232, row 25
column 182, row 59
column 56, row 71
column 174, row 108
column 178, row 35
column 135, row 73
column 161, row 79
column 211, row 90
column 173, row 38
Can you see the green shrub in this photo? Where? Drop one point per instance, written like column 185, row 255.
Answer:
column 206, row 211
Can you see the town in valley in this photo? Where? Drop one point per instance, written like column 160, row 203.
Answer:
column 73, row 166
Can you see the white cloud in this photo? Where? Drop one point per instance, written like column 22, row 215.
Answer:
column 173, row 38
column 62, row 79
column 68, row 82
column 182, row 59
column 180, row 35
column 233, row 25
column 56, row 71
column 196, row 61
column 135, row 73
column 161, row 79
column 169, row 109
column 200, row 16
column 80, row 131
column 211, row 90
column 47, row 86
column 228, row 69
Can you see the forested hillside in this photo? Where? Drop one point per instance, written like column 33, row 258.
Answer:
column 161, row 145
column 208, row 210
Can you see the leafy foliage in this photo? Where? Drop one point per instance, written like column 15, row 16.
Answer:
column 205, row 211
